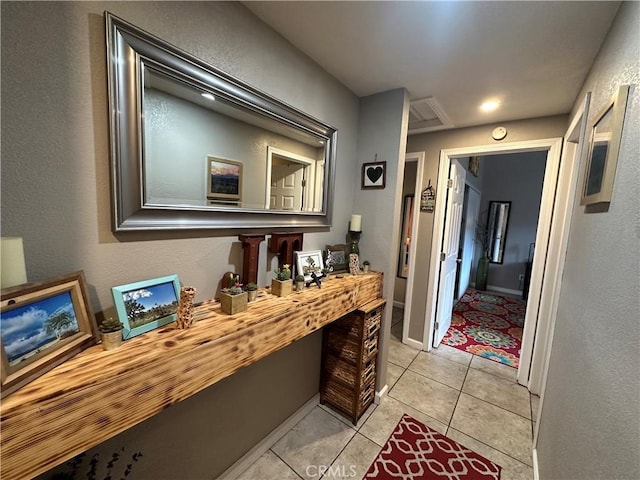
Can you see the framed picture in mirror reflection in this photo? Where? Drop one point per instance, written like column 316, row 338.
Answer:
column 224, row 179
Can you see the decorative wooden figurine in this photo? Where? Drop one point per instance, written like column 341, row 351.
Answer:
column 185, row 307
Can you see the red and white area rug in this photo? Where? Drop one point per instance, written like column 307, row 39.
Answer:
column 488, row 325
column 415, row 451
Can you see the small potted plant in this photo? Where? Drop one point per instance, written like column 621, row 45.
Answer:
column 233, row 300
column 282, row 284
column 111, row 333
column 299, row 283
column 252, row 291
column 366, row 266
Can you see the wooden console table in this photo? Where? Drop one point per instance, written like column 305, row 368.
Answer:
column 79, row 404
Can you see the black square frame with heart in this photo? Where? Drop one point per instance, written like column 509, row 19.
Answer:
column 374, row 175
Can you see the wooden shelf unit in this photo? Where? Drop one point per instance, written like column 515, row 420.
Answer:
column 79, row 404
column 349, row 354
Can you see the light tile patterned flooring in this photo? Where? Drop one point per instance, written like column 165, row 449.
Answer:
column 474, row 401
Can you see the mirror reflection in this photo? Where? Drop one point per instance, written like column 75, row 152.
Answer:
column 200, row 150
column 193, row 147
column 497, row 222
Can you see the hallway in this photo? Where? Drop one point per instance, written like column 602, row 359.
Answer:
column 472, row 400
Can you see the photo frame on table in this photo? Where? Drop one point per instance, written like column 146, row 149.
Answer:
column 338, row 256
column 374, row 175
column 41, row 325
column 224, row 179
column 309, row 262
column 605, row 134
column 147, row 305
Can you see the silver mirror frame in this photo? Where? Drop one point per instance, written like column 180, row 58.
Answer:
column 127, row 47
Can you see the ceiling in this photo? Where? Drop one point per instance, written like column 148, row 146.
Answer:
column 532, row 57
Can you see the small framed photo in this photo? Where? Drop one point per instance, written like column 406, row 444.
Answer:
column 42, row 325
column 374, row 175
column 224, row 180
column 604, row 143
column 338, row 256
column 147, row 305
column 309, row 262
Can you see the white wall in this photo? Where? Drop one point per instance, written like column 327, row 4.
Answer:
column 55, row 194
column 590, row 421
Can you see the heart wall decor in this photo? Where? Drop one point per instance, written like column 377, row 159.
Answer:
column 374, row 175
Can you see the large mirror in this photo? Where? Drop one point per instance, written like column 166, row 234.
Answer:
column 193, row 147
column 497, row 223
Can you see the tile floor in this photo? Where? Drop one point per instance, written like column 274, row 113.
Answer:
column 472, row 400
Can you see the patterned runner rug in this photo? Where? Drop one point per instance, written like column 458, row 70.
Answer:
column 488, row 325
column 415, row 451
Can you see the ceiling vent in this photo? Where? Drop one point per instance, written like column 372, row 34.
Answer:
column 426, row 115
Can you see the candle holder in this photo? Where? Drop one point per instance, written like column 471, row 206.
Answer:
column 354, row 238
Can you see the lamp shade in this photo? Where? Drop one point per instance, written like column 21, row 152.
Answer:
column 12, row 267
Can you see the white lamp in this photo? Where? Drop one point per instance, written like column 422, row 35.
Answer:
column 12, row 267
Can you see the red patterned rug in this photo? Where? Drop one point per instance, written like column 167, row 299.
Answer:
column 488, row 325
column 415, row 451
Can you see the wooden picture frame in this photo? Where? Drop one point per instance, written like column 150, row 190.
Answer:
column 374, row 175
column 604, row 145
column 224, row 180
column 147, row 305
column 41, row 325
column 303, row 260
column 339, row 257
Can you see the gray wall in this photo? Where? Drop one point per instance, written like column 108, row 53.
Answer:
column 432, row 144
column 590, row 421
column 517, row 178
column 383, row 131
column 55, row 194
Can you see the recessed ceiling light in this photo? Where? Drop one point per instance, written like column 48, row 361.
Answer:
column 208, row 96
column 489, row 105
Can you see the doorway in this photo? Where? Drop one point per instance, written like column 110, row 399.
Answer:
column 552, row 147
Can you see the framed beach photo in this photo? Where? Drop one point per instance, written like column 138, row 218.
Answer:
column 224, row 179
column 42, row 325
column 147, row 305
column 309, row 262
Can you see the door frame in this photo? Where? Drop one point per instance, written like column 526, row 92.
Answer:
column 294, row 157
column 408, row 296
column 553, row 147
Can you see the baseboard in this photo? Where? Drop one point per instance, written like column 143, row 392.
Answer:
column 504, row 290
column 267, row 442
column 381, row 394
column 398, row 304
column 536, row 472
column 413, row 343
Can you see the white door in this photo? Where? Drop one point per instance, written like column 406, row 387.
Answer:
column 449, row 252
column 469, row 246
column 287, row 184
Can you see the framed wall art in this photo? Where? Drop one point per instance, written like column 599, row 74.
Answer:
column 604, row 144
column 339, row 257
column 309, row 262
column 224, row 180
column 146, row 305
column 42, row 325
column 374, row 175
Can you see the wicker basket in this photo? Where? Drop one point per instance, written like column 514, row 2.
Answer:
column 347, row 373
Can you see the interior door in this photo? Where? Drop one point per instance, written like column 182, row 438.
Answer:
column 472, row 205
column 449, row 251
column 287, row 185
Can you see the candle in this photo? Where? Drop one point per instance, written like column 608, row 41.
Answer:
column 13, row 268
column 356, row 221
